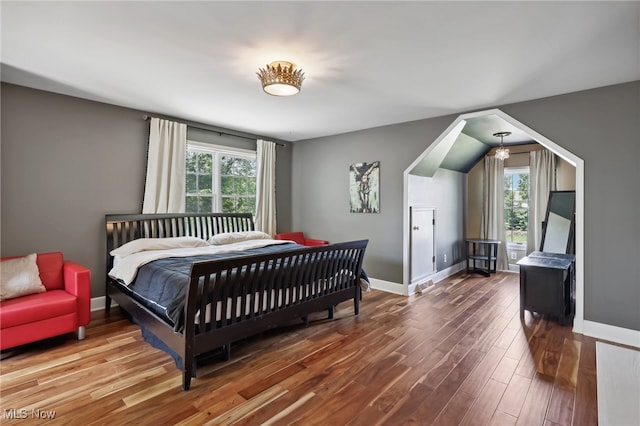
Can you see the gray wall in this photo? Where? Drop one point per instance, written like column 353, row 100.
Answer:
column 601, row 126
column 66, row 162
column 320, row 188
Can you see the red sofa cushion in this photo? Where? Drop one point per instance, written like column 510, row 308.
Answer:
column 50, row 267
column 297, row 237
column 36, row 307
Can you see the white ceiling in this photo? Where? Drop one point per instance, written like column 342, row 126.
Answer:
column 367, row 64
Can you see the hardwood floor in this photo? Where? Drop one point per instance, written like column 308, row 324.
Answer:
column 457, row 354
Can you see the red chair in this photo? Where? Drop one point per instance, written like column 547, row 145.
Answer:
column 299, row 238
column 64, row 307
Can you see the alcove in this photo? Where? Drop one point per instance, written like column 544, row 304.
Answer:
column 468, row 150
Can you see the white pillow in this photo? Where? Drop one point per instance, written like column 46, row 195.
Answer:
column 145, row 244
column 20, row 277
column 234, row 237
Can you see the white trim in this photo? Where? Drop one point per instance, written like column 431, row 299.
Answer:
column 578, row 321
column 438, row 276
column 209, row 147
column 398, row 288
column 388, row 286
column 612, row 333
column 516, row 169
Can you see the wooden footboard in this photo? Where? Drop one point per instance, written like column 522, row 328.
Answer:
column 233, row 298
column 229, row 300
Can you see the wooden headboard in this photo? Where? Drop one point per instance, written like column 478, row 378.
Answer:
column 122, row 228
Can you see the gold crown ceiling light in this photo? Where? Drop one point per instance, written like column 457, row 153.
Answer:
column 502, row 153
column 280, row 78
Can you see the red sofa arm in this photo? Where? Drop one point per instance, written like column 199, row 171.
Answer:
column 77, row 281
column 314, row 242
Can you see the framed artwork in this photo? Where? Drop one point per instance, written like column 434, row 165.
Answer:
column 364, row 187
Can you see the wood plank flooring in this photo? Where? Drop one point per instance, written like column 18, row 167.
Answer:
column 458, row 354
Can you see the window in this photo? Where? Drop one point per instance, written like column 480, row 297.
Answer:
column 516, row 204
column 220, row 179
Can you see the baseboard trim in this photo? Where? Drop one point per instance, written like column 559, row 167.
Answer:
column 98, row 303
column 438, row 276
column 612, row 333
column 388, row 286
column 398, row 288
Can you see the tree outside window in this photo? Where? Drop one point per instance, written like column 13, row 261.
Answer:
column 220, row 181
column 516, row 204
column 238, row 184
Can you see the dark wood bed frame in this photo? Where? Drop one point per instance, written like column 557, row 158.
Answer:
column 319, row 277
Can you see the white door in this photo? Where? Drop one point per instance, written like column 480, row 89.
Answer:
column 423, row 261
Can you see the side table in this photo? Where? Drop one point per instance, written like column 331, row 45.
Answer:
column 482, row 256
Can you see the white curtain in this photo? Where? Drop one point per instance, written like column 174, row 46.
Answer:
column 492, row 223
column 164, row 190
column 542, row 179
column 266, row 187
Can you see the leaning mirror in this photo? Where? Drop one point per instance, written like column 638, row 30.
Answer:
column 557, row 235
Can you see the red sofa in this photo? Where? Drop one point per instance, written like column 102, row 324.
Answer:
column 299, row 238
column 63, row 308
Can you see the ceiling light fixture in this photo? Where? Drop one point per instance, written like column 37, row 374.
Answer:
column 502, row 153
column 280, row 78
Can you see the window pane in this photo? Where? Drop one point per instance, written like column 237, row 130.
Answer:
column 191, row 183
column 204, row 184
column 204, row 204
column 242, row 185
column 242, row 205
column 245, row 167
column 228, row 205
column 226, row 165
column 191, row 159
column 204, row 163
column 191, row 205
column 226, row 185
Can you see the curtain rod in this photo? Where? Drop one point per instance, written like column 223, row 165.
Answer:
column 148, row 117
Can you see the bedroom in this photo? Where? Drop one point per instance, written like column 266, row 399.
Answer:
column 49, row 140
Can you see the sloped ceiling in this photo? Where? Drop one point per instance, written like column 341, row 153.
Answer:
column 476, row 140
column 467, row 143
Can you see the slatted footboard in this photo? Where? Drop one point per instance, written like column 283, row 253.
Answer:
column 233, row 298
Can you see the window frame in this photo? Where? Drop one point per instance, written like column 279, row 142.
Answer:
column 218, row 151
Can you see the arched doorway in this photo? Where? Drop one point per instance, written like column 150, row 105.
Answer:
column 432, row 156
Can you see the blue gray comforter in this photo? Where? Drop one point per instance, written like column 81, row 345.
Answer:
column 161, row 284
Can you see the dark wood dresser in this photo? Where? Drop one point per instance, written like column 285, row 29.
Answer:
column 547, row 285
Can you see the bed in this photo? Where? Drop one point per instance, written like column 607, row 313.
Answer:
column 233, row 283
